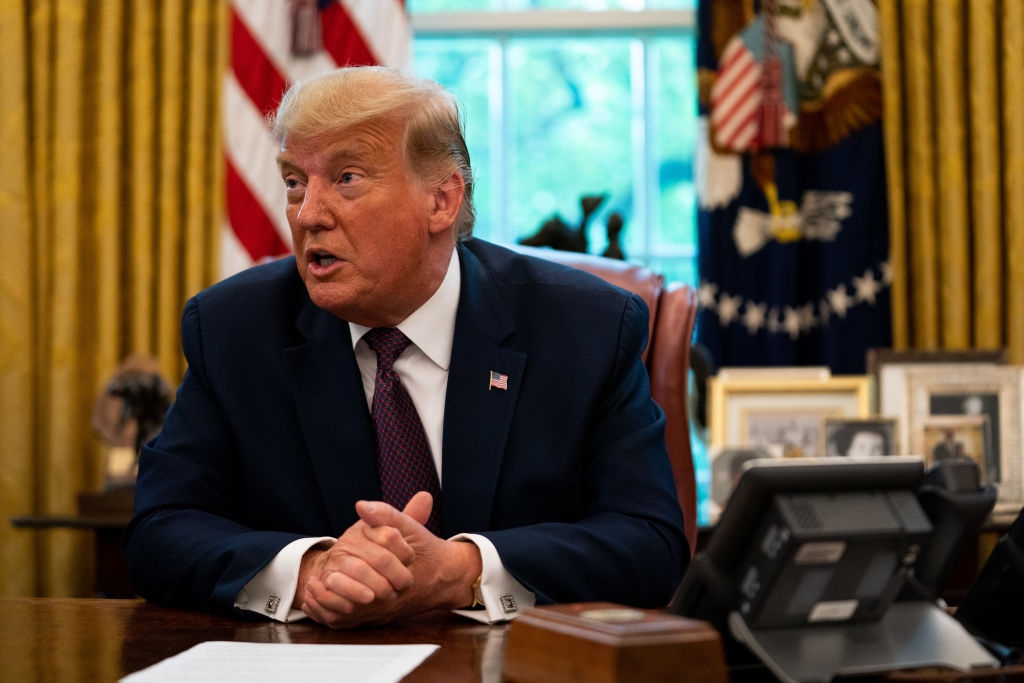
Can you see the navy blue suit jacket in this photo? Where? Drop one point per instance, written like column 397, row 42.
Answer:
column 270, row 438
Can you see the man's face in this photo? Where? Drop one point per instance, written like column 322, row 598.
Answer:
column 866, row 443
column 367, row 242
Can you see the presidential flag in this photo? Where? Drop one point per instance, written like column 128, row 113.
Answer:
column 274, row 43
column 792, row 220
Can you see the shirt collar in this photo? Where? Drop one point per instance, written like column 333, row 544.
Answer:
column 431, row 327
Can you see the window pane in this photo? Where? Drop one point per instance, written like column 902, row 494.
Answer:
column 575, row 4
column 550, row 119
column 678, row 269
column 463, row 66
column 674, row 139
column 424, row 6
column 671, row 4
column 570, row 123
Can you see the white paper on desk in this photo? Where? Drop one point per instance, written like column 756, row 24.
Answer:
column 227, row 662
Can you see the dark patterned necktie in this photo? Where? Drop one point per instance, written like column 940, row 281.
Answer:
column 403, row 455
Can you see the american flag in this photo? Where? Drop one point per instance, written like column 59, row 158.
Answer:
column 736, row 97
column 498, row 381
column 269, row 44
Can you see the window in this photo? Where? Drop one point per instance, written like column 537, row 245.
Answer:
column 562, row 101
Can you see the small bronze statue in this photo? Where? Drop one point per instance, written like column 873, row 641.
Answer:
column 613, row 228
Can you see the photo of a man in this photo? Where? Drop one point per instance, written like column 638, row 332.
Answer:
column 976, row 404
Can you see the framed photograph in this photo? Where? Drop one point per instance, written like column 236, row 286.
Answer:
column 860, row 437
column 784, row 417
column 992, row 391
column 893, row 392
column 878, row 358
column 955, row 436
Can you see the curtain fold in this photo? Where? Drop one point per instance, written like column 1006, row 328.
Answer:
column 110, row 210
column 955, row 161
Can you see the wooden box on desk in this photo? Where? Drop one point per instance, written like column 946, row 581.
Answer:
column 602, row 642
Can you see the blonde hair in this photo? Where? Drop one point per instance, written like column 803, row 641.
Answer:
column 433, row 140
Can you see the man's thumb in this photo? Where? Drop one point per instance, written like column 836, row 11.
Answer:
column 420, row 506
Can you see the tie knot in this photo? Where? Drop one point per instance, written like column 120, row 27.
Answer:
column 388, row 342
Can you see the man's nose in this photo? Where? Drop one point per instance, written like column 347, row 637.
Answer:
column 315, row 211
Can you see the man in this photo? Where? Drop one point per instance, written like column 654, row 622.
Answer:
column 282, row 481
column 947, row 448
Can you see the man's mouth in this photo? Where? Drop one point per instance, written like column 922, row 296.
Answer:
column 322, row 259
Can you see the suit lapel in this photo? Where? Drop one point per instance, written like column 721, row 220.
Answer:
column 477, row 418
column 331, row 406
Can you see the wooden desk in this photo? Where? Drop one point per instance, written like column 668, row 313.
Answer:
column 99, row 641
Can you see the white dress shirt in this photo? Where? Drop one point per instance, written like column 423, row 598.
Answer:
column 423, row 369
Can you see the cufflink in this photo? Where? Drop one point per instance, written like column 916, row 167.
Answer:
column 508, row 604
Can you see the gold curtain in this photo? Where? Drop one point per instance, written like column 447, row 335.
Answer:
column 954, row 136
column 109, row 214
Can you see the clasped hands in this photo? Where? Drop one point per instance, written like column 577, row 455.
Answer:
column 385, row 567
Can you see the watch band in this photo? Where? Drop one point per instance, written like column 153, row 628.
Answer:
column 478, row 598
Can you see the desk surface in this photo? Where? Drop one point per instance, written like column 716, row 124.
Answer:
column 54, row 639
column 75, row 639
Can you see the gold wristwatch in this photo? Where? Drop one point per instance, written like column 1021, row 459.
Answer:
column 478, row 597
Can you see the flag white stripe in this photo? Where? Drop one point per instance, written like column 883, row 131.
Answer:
column 233, row 256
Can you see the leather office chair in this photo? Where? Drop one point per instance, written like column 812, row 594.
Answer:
column 673, row 312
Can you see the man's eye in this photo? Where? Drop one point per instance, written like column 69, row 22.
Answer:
column 291, row 183
column 347, row 177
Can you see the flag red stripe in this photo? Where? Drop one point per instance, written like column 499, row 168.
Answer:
column 257, row 75
column 342, row 38
column 249, row 222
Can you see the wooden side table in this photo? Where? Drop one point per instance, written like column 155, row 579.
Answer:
column 106, row 514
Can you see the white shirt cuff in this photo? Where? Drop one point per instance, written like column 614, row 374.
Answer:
column 271, row 591
column 504, row 598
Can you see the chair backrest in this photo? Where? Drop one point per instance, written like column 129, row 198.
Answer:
column 673, row 312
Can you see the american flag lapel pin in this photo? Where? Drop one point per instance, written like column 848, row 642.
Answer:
column 498, row 381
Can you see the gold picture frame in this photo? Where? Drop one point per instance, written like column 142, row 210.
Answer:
column 746, row 410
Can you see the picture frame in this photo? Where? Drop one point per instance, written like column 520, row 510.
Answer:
column 948, row 436
column 890, row 378
column 846, row 437
column 878, row 358
column 993, row 390
column 784, row 416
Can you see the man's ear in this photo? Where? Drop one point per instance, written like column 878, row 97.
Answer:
column 445, row 202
